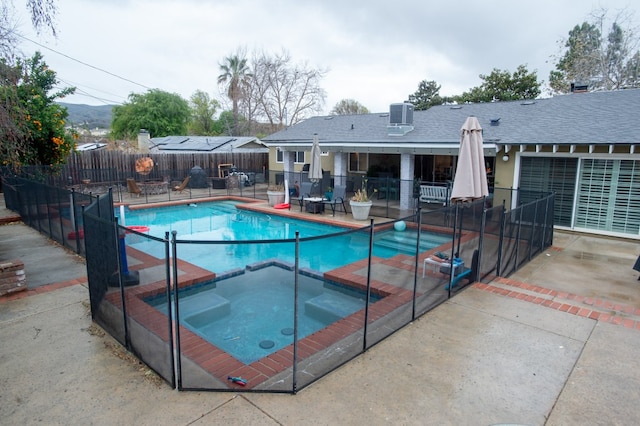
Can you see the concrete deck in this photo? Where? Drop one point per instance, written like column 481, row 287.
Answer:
column 555, row 344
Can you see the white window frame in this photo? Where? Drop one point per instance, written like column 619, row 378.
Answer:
column 297, row 155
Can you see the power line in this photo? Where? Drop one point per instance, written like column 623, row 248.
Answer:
column 83, row 92
column 84, row 63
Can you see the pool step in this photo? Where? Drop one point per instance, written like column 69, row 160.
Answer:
column 329, row 307
column 216, row 307
column 403, row 242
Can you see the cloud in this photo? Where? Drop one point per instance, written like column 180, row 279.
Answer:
column 376, row 51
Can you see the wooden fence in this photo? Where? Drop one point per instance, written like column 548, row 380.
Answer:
column 116, row 166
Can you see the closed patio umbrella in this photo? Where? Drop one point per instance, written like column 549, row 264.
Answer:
column 470, row 181
column 315, row 167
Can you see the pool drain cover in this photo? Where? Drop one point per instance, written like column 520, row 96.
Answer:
column 267, row 344
column 287, row 331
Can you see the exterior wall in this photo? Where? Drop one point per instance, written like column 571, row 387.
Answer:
column 505, row 170
column 274, row 166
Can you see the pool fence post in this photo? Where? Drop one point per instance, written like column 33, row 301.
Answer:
column 483, row 225
column 295, row 313
column 503, row 217
column 177, row 316
column 417, row 262
column 368, row 301
column 534, row 222
column 453, row 251
column 120, row 274
column 518, row 236
column 167, row 263
column 78, row 248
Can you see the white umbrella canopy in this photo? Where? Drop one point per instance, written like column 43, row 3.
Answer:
column 315, row 167
column 470, row 182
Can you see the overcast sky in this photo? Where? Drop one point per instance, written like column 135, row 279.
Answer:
column 376, row 52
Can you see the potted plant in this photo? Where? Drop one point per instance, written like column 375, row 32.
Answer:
column 328, row 193
column 275, row 194
column 361, row 203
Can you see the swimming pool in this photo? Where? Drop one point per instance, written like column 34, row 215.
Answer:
column 250, row 316
column 222, row 221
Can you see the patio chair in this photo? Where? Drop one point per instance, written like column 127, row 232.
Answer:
column 183, row 185
column 305, row 192
column 133, row 188
column 339, row 194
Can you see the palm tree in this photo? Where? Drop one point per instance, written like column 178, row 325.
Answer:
column 236, row 73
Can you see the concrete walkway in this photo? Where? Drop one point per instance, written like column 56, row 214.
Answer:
column 555, row 344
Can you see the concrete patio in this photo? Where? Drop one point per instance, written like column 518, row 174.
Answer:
column 554, row 344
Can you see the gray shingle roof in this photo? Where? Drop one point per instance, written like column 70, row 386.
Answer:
column 579, row 118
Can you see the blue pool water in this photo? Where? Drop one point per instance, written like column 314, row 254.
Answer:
column 222, row 221
column 250, row 316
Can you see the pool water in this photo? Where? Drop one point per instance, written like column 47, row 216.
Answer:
column 222, row 221
column 250, row 316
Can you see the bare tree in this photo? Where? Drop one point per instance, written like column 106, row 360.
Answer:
column 281, row 92
column 43, row 13
column 8, row 33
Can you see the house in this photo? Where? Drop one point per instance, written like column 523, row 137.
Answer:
column 582, row 146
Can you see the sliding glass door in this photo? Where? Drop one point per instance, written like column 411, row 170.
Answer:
column 591, row 193
column 608, row 196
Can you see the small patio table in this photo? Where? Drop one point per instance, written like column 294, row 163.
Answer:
column 314, row 204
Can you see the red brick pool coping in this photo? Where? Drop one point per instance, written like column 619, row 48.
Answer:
column 220, row 364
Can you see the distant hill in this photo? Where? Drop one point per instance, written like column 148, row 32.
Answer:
column 89, row 116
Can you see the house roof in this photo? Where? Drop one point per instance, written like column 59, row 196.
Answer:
column 593, row 118
column 181, row 144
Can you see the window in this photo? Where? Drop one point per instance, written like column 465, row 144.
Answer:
column 358, row 162
column 608, row 196
column 298, row 156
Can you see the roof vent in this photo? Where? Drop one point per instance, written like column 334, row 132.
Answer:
column 495, row 121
